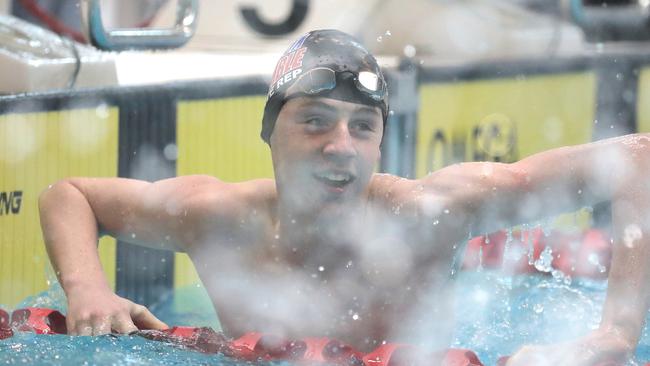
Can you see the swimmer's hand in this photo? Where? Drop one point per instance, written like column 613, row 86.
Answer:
column 596, row 349
column 95, row 312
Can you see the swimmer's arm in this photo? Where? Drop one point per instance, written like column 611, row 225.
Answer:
column 566, row 179
column 74, row 211
column 155, row 215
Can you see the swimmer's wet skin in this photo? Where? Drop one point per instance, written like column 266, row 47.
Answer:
column 361, row 257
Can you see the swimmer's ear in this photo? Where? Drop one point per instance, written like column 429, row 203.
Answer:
column 144, row 319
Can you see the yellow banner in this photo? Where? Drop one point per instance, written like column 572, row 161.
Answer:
column 643, row 101
column 37, row 150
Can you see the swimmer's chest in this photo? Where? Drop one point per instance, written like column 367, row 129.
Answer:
column 344, row 294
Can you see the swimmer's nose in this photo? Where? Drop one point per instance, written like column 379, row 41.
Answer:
column 340, row 143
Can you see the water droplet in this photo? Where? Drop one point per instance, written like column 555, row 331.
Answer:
column 543, row 264
column 446, row 211
column 594, row 259
column 397, row 209
column 436, row 222
column 170, row 152
column 321, row 268
column 388, row 33
column 538, row 308
column 409, row 51
column 379, row 39
column 133, row 235
column 355, row 316
column 481, row 296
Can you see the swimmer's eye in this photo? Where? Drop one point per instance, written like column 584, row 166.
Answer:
column 362, row 126
column 315, row 122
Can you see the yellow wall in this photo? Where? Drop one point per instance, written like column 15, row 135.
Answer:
column 220, row 138
column 542, row 112
column 531, row 114
column 37, row 149
column 643, row 101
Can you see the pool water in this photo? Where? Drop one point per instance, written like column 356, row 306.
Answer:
column 495, row 315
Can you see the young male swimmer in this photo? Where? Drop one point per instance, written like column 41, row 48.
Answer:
column 330, row 248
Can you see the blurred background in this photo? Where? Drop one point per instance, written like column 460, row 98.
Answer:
column 158, row 88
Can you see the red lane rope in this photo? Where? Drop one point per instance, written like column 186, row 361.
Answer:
column 257, row 346
column 582, row 254
column 5, row 329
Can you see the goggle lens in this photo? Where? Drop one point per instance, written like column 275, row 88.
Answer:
column 323, row 79
column 369, row 80
column 318, row 80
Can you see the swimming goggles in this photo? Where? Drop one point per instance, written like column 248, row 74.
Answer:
column 320, row 79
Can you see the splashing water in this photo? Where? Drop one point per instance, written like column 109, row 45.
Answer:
column 543, row 264
column 594, row 259
column 500, row 315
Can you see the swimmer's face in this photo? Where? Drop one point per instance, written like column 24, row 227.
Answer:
column 324, row 151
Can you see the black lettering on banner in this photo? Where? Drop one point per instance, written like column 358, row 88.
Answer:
column 10, row 202
column 295, row 19
column 437, row 148
column 494, row 139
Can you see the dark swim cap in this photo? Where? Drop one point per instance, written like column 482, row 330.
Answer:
column 326, row 63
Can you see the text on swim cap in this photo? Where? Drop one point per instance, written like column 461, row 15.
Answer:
column 285, row 79
column 287, row 63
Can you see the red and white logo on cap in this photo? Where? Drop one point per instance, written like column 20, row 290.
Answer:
column 289, row 65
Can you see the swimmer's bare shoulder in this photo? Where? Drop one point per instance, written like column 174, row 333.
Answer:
column 452, row 196
column 218, row 211
column 457, row 187
column 172, row 213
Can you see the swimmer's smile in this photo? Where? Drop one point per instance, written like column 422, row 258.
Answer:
column 335, row 181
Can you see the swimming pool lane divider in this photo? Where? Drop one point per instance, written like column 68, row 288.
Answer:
column 585, row 254
column 5, row 328
column 253, row 346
